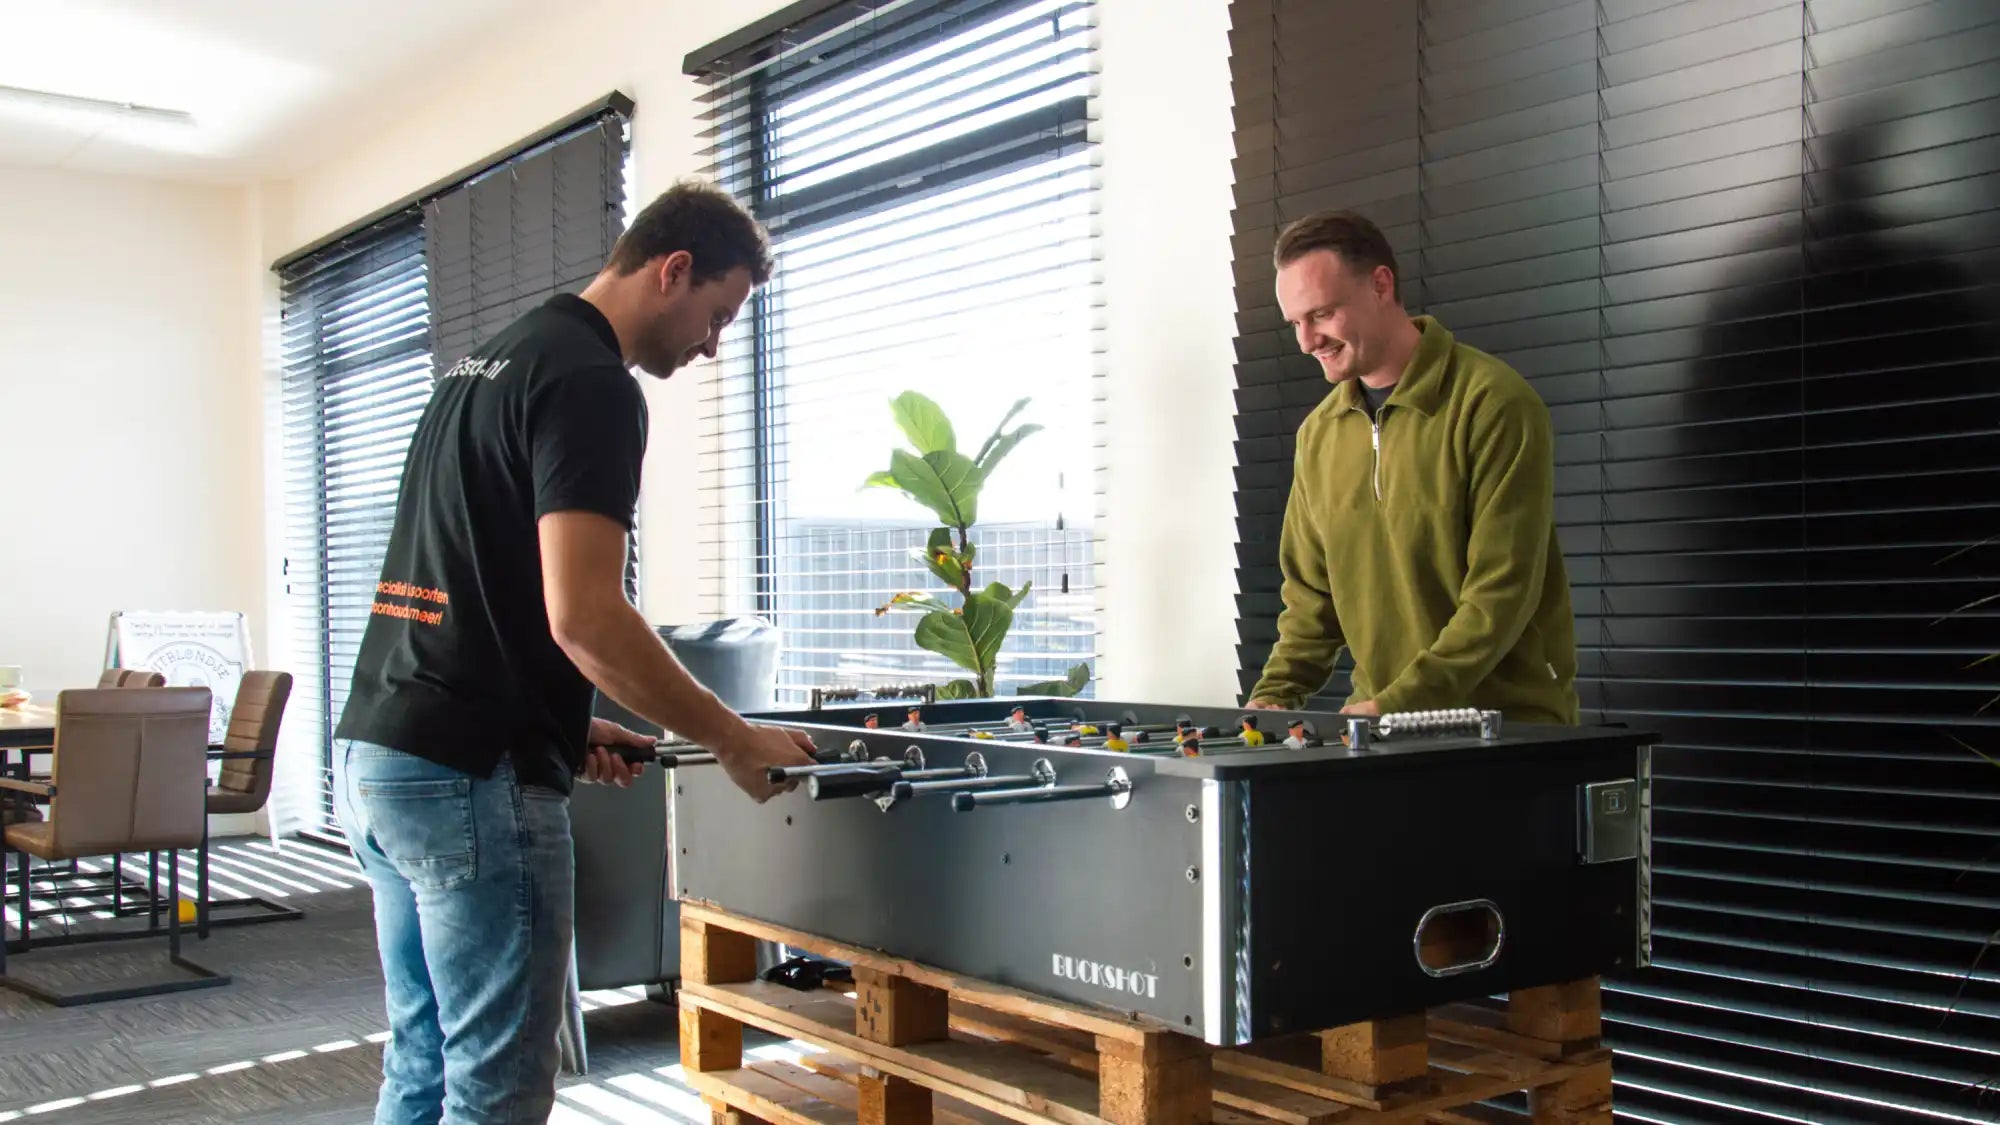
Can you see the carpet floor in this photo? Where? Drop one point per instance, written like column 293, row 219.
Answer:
column 296, row 1035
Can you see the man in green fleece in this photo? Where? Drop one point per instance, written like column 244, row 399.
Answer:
column 1420, row 532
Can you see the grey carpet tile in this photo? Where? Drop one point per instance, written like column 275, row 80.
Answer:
column 81, row 1068
column 228, row 1054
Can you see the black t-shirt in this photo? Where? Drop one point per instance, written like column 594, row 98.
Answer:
column 457, row 664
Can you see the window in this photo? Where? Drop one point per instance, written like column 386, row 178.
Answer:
column 929, row 183
column 367, row 320
column 357, row 373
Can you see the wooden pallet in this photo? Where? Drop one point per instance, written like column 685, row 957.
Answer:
column 913, row 1045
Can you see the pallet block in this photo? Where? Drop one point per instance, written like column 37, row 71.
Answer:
column 914, row 1045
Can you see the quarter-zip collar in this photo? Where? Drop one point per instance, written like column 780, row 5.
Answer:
column 1422, row 386
column 1421, row 389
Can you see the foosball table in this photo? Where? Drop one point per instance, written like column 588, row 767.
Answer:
column 1234, row 875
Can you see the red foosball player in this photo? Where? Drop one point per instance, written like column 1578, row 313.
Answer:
column 1017, row 719
column 915, row 722
column 1251, row 735
column 1295, row 735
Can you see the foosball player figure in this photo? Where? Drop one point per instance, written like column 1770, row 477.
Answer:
column 1189, row 742
column 916, row 720
column 1114, row 739
column 1295, row 736
column 1082, row 727
column 1041, row 733
column 985, row 734
column 1017, row 719
column 1251, row 735
column 873, row 721
column 1071, row 738
column 1181, row 728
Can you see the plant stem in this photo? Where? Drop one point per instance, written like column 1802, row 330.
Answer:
column 964, row 533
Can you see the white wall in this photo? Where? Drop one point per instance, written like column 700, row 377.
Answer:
column 1169, row 631
column 131, row 441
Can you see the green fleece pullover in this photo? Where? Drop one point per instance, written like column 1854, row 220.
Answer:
column 1425, row 542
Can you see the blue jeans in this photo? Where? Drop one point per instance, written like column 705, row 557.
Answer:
column 474, row 901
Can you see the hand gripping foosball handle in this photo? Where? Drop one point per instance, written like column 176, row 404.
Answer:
column 1116, row 786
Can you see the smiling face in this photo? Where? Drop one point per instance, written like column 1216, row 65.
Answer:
column 685, row 318
column 1344, row 318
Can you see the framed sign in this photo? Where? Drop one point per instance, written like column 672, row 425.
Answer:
column 191, row 648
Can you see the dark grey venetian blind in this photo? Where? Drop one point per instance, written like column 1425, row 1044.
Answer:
column 1747, row 251
column 505, row 241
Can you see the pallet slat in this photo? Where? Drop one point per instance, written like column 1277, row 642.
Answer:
column 916, row 1046
column 1000, row 1077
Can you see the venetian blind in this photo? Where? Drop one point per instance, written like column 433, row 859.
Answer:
column 928, row 177
column 1747, row 252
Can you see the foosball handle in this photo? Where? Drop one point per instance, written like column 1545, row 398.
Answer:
column 860, row 781
column 667, row 759
column 1117, row 786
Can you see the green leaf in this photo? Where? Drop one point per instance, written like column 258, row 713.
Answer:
column 958, row 689
column 942, row 563
column 1019, row 405
column 1013, row 598
column 970, row 639
column 1005, row 445
column 919, row 602
column 1078, row 676
column 946, row 483
column 881, row 478
column 924, row 423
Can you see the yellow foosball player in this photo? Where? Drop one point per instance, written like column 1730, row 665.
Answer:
column 1114, row 738
column 1251, row 735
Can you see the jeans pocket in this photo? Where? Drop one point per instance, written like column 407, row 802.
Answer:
column 424, row 827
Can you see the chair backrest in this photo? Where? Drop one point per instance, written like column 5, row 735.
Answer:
column 130, row 677
column 253, row 725
column 131, row 770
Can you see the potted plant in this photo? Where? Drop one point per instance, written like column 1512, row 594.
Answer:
column 934, row 473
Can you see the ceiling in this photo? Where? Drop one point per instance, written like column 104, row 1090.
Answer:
column 264, row 79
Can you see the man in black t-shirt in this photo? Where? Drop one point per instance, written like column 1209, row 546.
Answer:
column 499, row 609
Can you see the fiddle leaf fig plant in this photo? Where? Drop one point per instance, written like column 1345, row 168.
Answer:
column 935, row 474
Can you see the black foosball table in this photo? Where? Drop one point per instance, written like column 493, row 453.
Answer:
column 1233, row 874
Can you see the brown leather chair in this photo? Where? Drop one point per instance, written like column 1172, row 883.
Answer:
column 130, row 677
column 247, row 753
column 130, row 769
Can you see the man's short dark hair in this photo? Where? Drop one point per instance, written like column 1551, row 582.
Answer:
column 703, row 220
column 1359, row 243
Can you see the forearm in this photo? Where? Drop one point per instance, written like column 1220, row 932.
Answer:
column 616, row 650
column 1309, row 636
